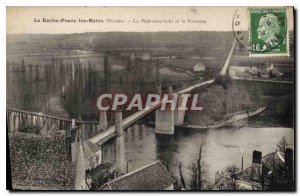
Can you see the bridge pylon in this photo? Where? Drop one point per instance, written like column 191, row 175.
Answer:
column 102, row 121
column 164, row 119
column 179, row 114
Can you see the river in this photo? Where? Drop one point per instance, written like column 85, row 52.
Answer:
column 224, row 147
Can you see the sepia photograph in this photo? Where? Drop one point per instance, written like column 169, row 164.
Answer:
column 150, row 98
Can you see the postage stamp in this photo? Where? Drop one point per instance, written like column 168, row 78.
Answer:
column 268, row 34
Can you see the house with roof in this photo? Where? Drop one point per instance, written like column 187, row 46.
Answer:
column 154, row 176
column 146, row 57
column 253, row 70
column 276, row 163
column 273, row 71
column 92, row 155
column 199, row 67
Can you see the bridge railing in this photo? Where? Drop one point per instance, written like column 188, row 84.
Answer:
column 89, row 129
column 17, row 119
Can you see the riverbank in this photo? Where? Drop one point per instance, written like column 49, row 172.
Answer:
column 263, row 121
column 228, row 123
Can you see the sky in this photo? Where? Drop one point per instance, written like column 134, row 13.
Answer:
column 133, row 19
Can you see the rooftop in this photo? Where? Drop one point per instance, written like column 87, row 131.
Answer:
column 199, row 64
column 150, row 177
column 89, row 149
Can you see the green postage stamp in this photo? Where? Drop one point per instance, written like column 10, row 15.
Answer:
column 268, row 34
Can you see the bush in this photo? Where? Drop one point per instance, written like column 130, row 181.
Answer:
column 224, row 81
column 31, row 129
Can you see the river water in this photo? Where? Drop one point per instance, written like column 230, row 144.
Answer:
column 224, row 147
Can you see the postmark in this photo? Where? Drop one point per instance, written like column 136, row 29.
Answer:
column 268, row 34
column 239, row 22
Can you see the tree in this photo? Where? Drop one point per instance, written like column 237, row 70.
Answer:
column 128, row 160
column 198, row 179
column 181, row 176
column 37, row 80
column 53, row 77
column 275, row 174
column 282, row 145
column 23, row 68
column 232, row 183
column 25, row 89
column 107, row 74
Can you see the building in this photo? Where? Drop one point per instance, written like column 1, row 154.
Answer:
column 253, row 70
column 146, row 57
column 273, row 72
column 154, row 176
column 132, row 57
column 199, row 67
column 277, row 163
column 165, row 57
column 243, row 71
column 238, row 71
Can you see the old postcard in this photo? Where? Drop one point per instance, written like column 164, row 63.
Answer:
column 151, row 98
